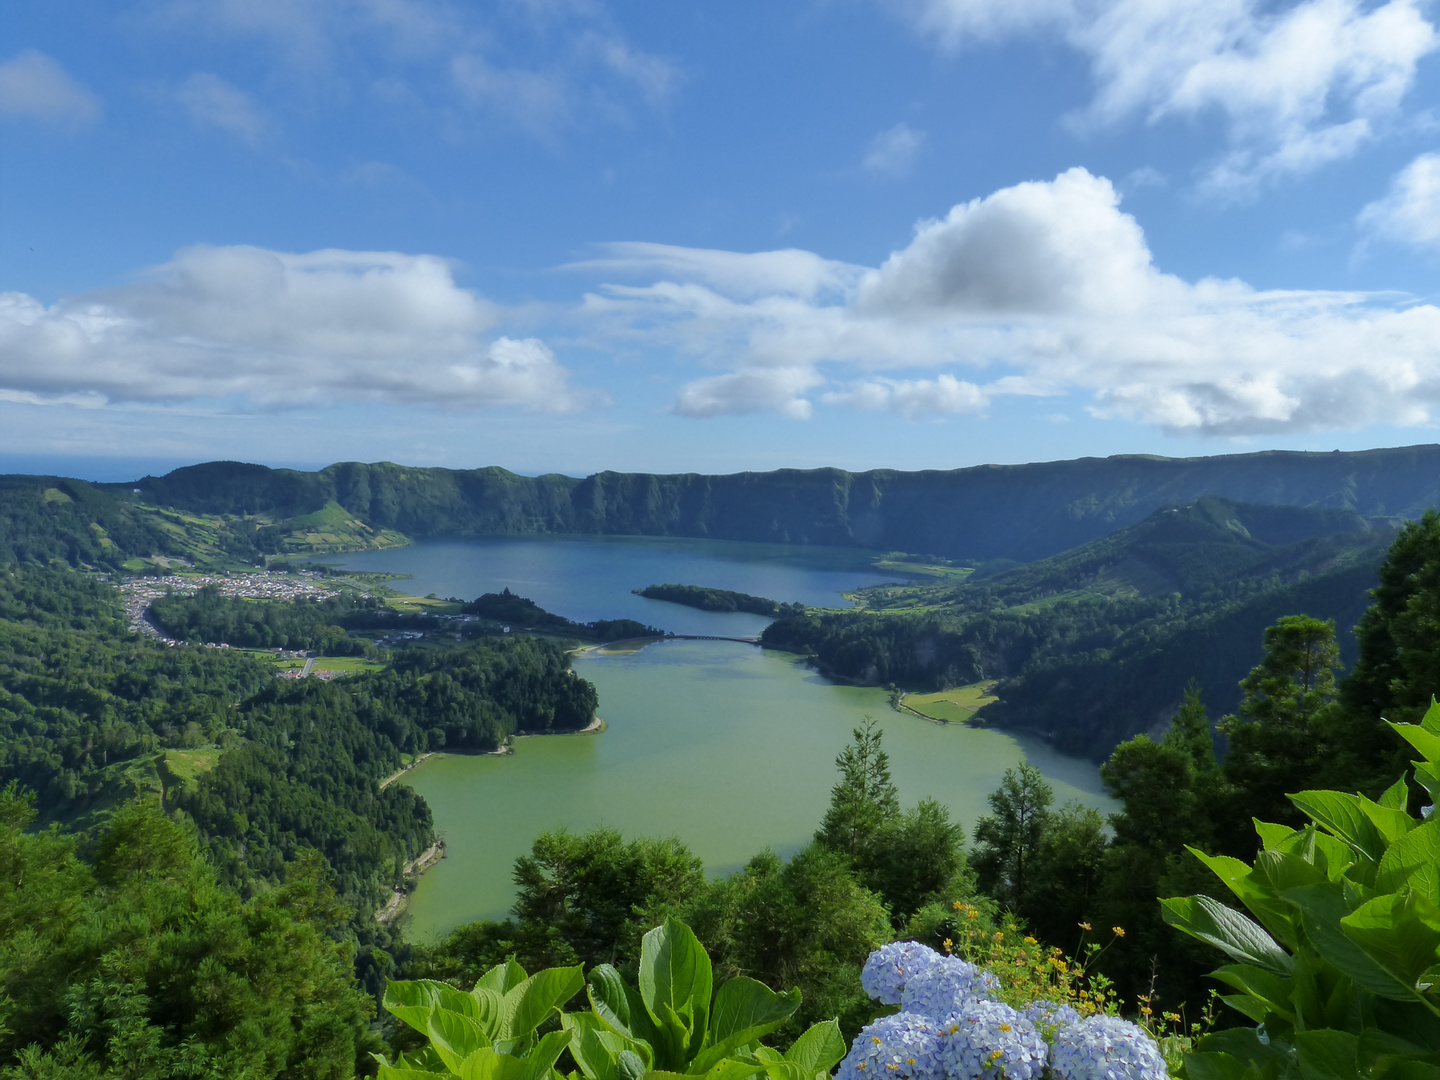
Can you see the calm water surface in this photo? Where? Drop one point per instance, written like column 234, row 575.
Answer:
column 729, row 747
column 593, row 577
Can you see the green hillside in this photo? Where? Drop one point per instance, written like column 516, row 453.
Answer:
column 1098, row 643
column 1021, row 512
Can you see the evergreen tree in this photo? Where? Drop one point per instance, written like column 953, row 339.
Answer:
column 1008, row 840
column 864, row 799
column 1280, row 739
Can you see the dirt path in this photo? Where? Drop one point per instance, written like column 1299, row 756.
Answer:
column 396, row 775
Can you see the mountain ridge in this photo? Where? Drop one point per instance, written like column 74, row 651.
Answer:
column 1024, row 512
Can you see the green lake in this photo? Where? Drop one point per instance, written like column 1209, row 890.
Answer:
column 728, row 746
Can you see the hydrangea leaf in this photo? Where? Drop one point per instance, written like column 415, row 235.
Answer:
column 1238, row 936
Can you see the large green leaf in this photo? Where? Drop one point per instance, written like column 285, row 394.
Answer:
column 541, row 1060
column 502, row 978
column 528, row 1004
column 676, row 983
column 819, row 1049
column 1401, row 932
column 618, row 1004
column 455, row 1037
column 401, row 1072
column 1343, row 816
column 1431, row 720
column 1413, row 860
column 1425, row 741
column 744, row 1010
column 595, row 1047
column 1323, row 907
column 1272, row 835
column 1326, row 1054
column 1239, row 937
column 1270, row 989
column 411, row 1001
column 486, row 1064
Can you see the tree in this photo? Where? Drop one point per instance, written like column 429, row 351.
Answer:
column 808, row 923
column 907, row 859
column 1398, row 664
column 864, row 799
column 143, row 966
column 1286, row 716
column 1007, row 841
column 599, row 892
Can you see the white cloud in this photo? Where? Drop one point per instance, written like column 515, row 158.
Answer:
column 790, row 272
column 1298, row 85
column 893, row 151
column 213, row 102
column 1036, row 247
column 1038, row 289
column 1410, row 211
column 912, row 397
column 35, row 87
column 756, row 390
column 278, row 329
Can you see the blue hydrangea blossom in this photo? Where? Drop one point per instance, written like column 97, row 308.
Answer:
column 945, row 986
column 900, row 1047
column 1050, row 1014
column 985, row 1037
column 891, row 966
column 1105, row 1048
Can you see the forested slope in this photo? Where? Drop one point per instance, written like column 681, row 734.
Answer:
column 1098, row 643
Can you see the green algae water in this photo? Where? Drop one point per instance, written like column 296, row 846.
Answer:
column 727, row 746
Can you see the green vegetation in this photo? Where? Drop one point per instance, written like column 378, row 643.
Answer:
column 136, row 962
column 972, row 516
column 1337, row 965
column 1093, row 645
column 673, row 1022
column 698, row 596
column 523, row 614
column 955, row 706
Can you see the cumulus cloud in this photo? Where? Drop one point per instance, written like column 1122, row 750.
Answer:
column 213, row 102
column 1041, row 288
column 35, row 87
column 755, row 390
column 278, row 329
column 893, row 151
column 1410, row 211
column 1299, row 85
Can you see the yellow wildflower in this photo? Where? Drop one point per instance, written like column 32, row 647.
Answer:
column 1118, row 931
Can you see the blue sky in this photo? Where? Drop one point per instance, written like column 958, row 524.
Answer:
column 568, row 235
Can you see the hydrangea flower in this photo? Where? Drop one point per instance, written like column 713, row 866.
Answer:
column 984, row 1038
column 1050, row 1014
column 891, row 966
column 945, row 986
column 1106, row 1048
column 899, row 1047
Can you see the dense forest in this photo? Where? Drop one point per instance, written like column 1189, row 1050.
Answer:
column 1099, row 643
column 707, row 599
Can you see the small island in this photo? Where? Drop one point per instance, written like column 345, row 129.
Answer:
column 698, row 596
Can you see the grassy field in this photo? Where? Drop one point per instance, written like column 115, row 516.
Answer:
column 186, row 765
column 333, row 528
column 955, row 706
column 347, row 665
column 422, row 605
column 912, row 566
